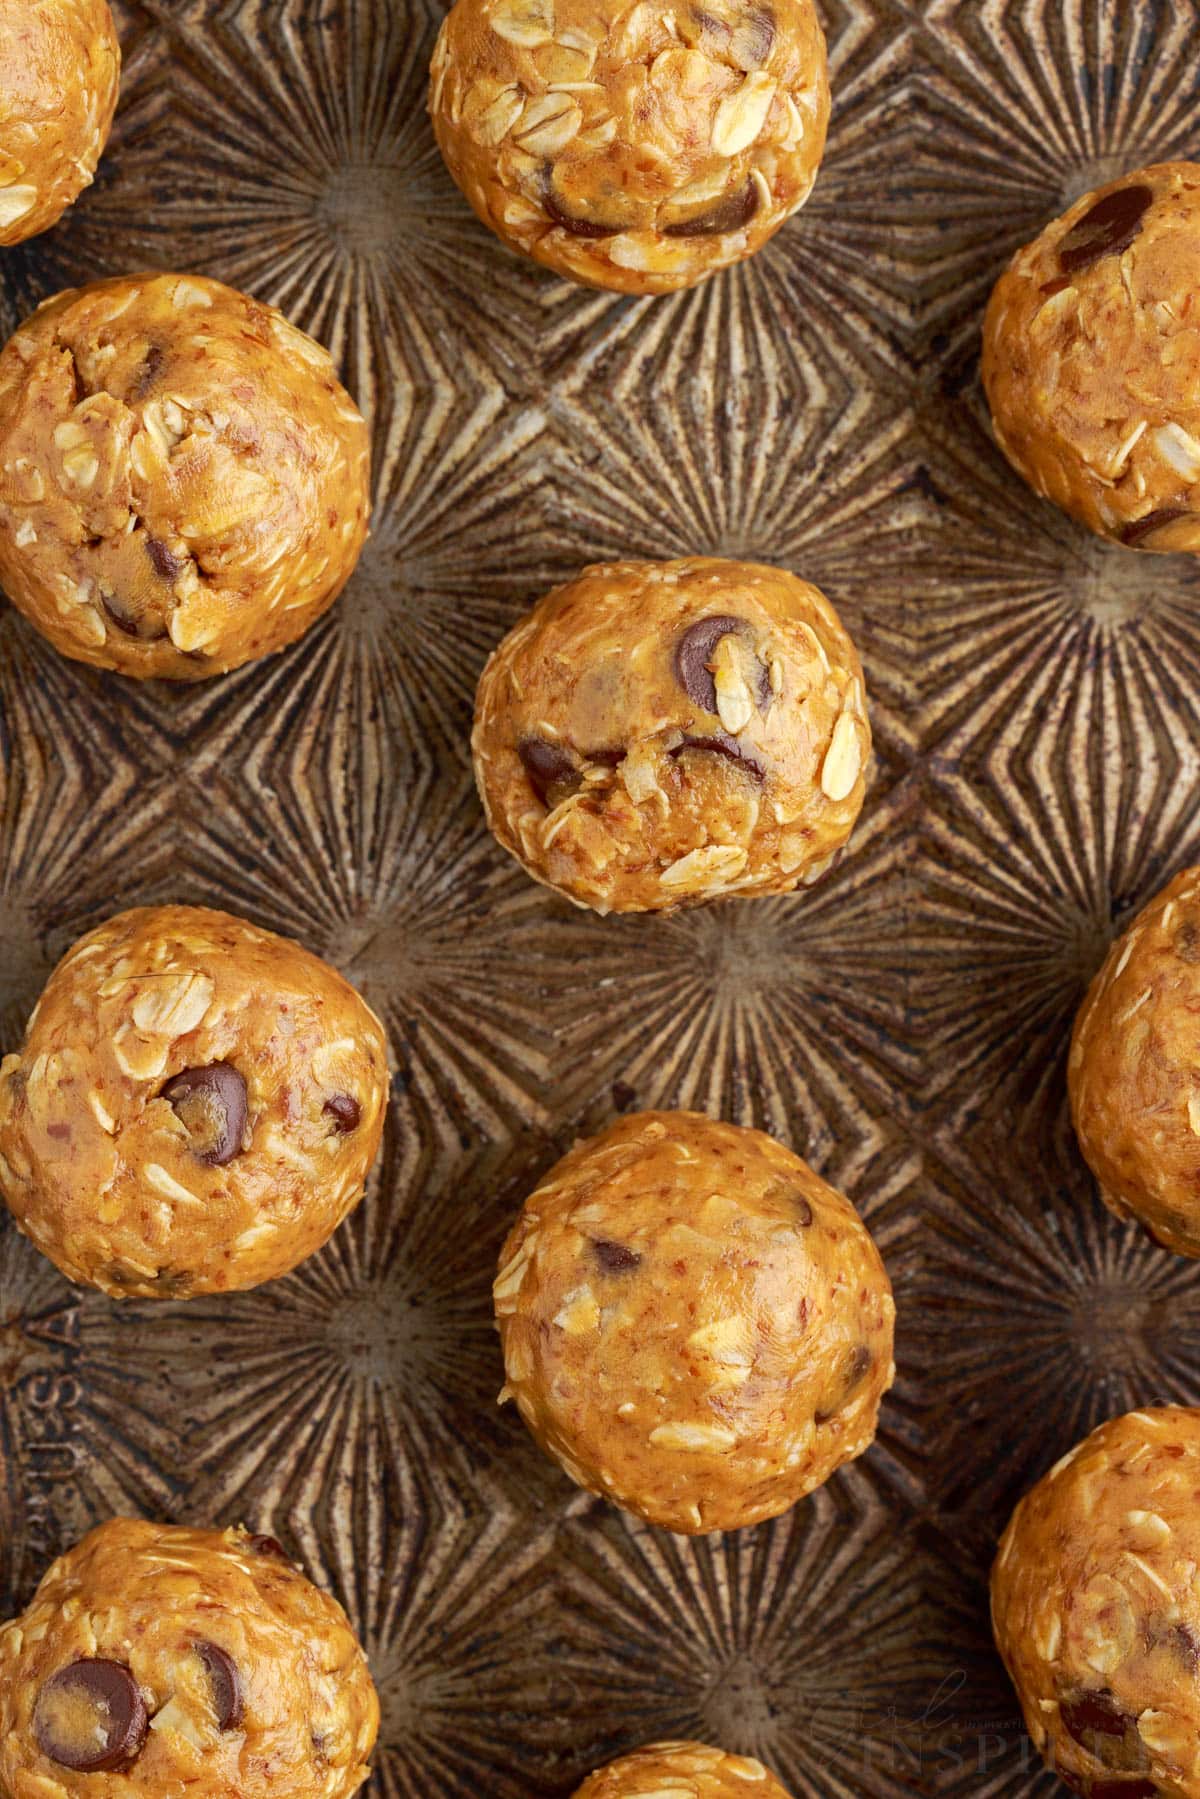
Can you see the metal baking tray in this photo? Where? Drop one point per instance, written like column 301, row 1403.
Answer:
column 1036, row 704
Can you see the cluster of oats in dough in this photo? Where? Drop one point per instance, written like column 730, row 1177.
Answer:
column 195, row 1108
column 694, row 1325
column 1091, row 359
column 629, row 144
column 655, row 734
column 157, row 1660
column 60, row 68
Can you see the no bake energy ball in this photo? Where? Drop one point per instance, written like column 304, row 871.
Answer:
column 1096, row 1609
column 659, row 733
column 183, row 479
column 694, row 1325
column 1091, row 359
column 155, row 1660
column 627, row 143
column 195, row 1108
column 682, row 1771
column 60, row 68
column 1134, row 1073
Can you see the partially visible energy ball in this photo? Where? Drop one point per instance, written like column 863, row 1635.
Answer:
column 184, row 482
column 682, row 1771
column 1134, row 1070
column 195, row 1108
column 632, row 144
column 60, row 68
column 694, row 1325
column 1096, row 1609
column 1091, row 359
column 655, row 734
column 155, row 1660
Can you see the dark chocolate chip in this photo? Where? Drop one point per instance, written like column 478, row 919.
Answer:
column 546, row 764
column 1187, row 942
column 858, row 1363
column 149, row 372
column 345, row 1111
column 578, row 227
column 1091, row 1714
column 729, row 214
column 804, row 1211
column 128, row 619
column 1106, row 229
column 1132, row 535
column 270, row 1546
column 225, row 1684
column 211, row 1103
column 91, row 1717
column 606, row 758
column 694, row 653
column 615, row 1258
column 165, row 562
column 722, row 744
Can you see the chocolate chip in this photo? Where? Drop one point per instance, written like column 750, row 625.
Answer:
column 91, row 1717
column 225, row 1684
column 722, row 744
column 546, row 764
column 804, row 1212
column 1187, row 942
column 578, row 227
column 606, row 758
column 345, row 1111
column 858, row 1363
column 615, row 1258
column 149, row 372
column 129, row 619
column 1092, row 1714
column 1132, row 535
column 165, row 562
column 211, row 1104
column 270, row 1546
column 729, row 214
column 694, row 653
column 1106, row 229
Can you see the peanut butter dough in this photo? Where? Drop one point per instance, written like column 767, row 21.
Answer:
column 1096, row 1609
column 183, row 479
column 659, row 733
column 627, row 143
column 1091, row 359
column 159, row 1661
column 195, row 1109
column 681, row 1771
column 60, row 68
column 694, row 1325
column 1134, row 1073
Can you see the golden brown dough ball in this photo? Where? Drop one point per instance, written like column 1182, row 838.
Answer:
column 681, row 1771
column 1096, row 1609
column 1091, row 359
column 195, row 1109
column 654, row 734
column 155, row 1660
column 627, row 143
column 60, row 68
column 1134, row 1073
column 184, row 482
column 694, row 1325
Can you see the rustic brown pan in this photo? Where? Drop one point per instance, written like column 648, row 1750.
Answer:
column 1036, row 702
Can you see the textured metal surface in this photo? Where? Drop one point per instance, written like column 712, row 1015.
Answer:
column 1036, row 700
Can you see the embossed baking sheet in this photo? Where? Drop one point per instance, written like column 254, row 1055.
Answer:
column 1035, row 699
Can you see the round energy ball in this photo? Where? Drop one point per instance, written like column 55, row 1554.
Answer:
column 630, row 144
column 1134, row 1076
column 659, row 733
column 694, row 1325
column 1097, row 1612
column 682, row 1771
column 195, row 1109
column 155, row 1660
column 60, row 68
column 1091, row 360
column 183, row 479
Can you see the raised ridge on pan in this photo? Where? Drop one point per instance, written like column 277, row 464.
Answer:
column 1036, row 703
